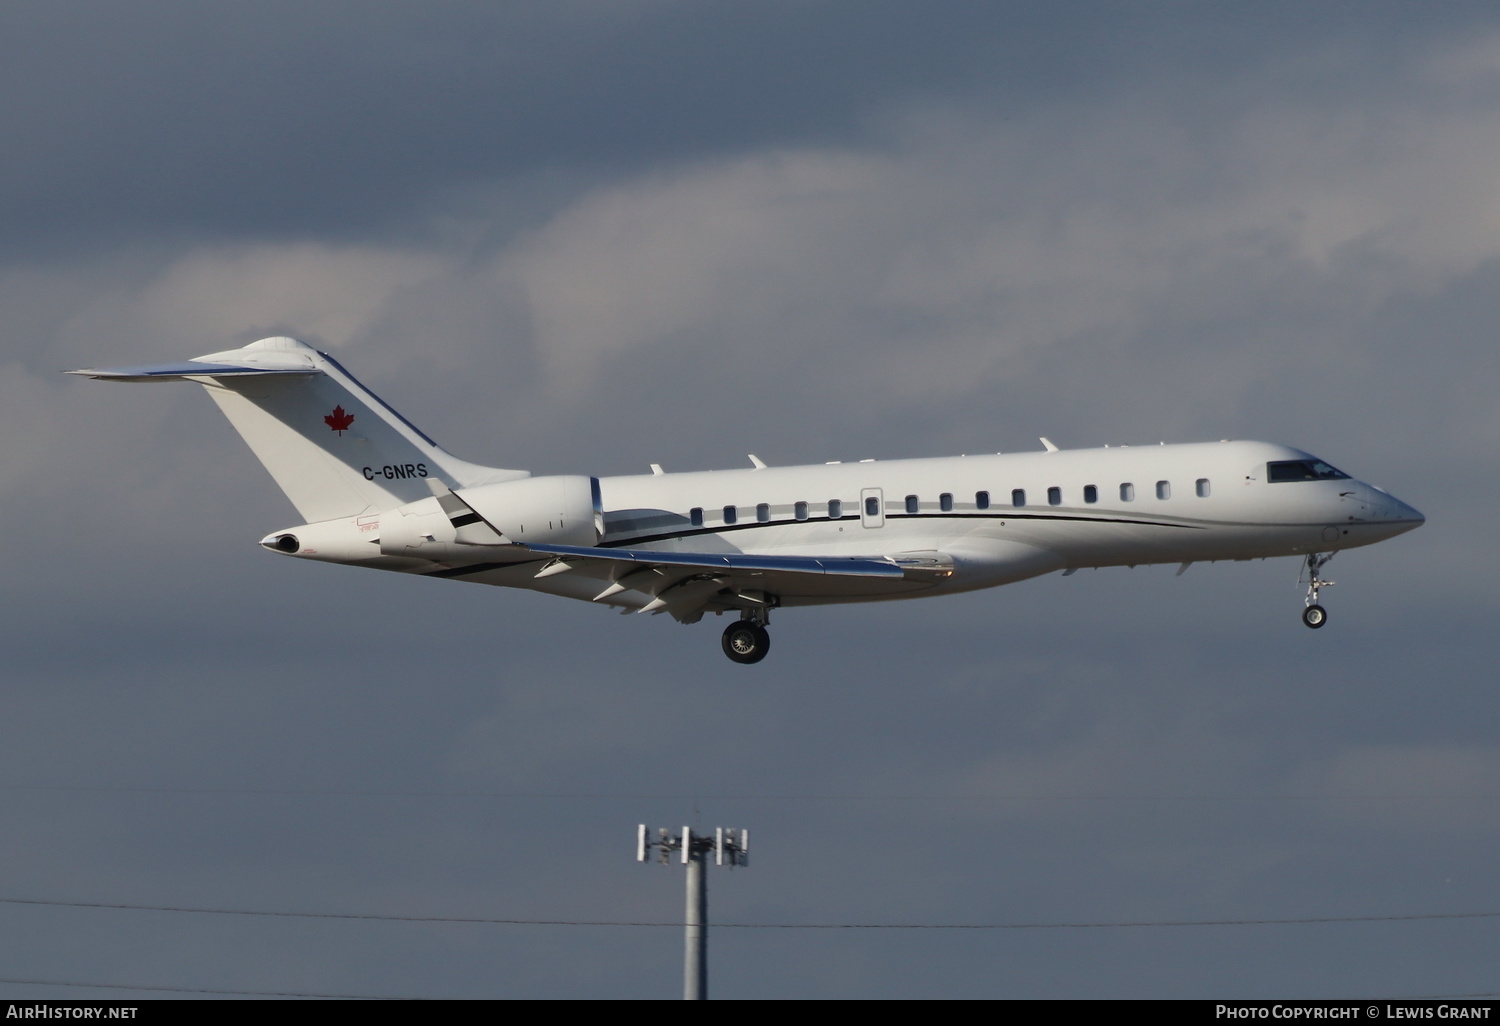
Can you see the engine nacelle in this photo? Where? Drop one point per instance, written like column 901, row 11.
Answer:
column 561, row 510
column 419, row 530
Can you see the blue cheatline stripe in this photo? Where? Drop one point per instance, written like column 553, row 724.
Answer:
column 846, row 565
column 837, row 566
column 474, row 568
column 726, row 528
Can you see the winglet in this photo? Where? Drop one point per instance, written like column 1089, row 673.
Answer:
column 1047, row 444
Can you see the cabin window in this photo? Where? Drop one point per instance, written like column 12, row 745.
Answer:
column 1054, row 496
column 763, row 513
column 696, row 516
column 945, row 502
column 835, row 509
column 1203, row 488
column 1164, row 489
column 1090, row 493
column 1018, row 497
column 800, row 511
column 872, row 506
column 981, row 500
column 912, row 505
column 1127, row 492
column 730, row 515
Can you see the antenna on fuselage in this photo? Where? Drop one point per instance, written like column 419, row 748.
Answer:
column 1047, row 444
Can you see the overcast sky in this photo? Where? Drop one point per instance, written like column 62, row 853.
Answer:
column 581, row 237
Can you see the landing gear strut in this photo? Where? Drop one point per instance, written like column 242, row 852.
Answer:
column 746, row 641
column 1315, row 615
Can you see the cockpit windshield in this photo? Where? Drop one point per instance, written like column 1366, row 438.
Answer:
column 1303, row 470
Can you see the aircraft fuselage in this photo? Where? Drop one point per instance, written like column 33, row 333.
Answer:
column 377, row 492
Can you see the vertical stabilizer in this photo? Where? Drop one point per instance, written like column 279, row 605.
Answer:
column 335, row 448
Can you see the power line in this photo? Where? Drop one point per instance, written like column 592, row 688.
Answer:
column 680, row 796
column 200, row 990
column 1116, row 924
column 369, row 997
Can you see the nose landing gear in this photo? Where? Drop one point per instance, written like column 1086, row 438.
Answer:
column 1315, row 615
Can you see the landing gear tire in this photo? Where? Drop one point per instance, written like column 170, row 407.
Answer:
column 746, row 641
column 1315, row 616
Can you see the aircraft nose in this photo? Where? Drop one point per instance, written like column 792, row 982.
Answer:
column 1399, row 515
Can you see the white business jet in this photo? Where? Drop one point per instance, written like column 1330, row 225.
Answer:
column 375, row 491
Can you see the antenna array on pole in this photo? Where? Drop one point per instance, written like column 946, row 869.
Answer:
column 730, row 848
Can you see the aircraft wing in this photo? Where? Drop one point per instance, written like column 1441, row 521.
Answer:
column 686, row 584
column 849, row 566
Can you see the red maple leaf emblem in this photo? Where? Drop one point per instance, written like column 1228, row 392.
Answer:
column 339, row 420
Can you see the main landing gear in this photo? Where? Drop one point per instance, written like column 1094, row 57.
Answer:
column 746, row 641
column 1315, row 615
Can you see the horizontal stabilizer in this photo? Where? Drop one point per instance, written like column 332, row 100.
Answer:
column 185, row 369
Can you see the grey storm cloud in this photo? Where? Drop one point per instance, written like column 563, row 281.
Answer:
column 578, row 237
column 289, row 119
